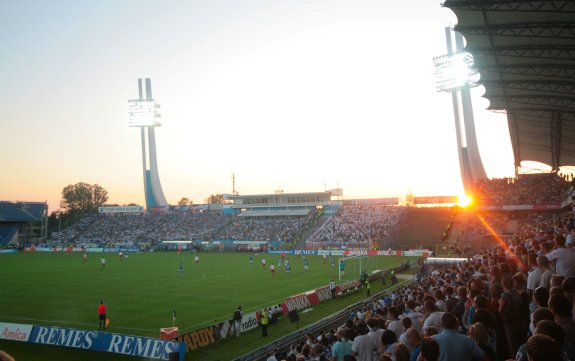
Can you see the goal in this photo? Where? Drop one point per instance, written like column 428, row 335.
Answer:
column 354, row 266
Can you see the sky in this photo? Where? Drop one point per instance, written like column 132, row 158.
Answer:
column 298, row 95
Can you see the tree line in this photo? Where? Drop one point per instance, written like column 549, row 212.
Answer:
column 82, row 198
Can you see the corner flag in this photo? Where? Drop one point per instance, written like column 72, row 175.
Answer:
column 173, row 318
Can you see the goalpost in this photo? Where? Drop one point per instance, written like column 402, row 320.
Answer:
column 350, row 268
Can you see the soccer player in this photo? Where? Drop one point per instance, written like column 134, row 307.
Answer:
column 197, row 259
column 85, row 258
column 102, row 315
column 332, row 259
column 273, row 269
column 342, row 267
column 305, row 265
column 264, row 264
column 279, row 263
column 103, row 262
column 251, row 259
column 121, row 255
column 324, row 258
column 182, row 268
column 288, row 267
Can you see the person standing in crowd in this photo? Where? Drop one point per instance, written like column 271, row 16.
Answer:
column 546, row 272
column 393, row 322
column 102, row 316
column 363, row 345
column 238, row 315
column 478, row 333
column 388, row 343
column 413, row 342
column 543, row 348
column 512, row 310
column 429, row 350
column 564, row 257
column 433, row 315
column 342, row 347
column 375, row 331
column 560, row 307
column 495, row 288
column 534, row 276
column 454, row 346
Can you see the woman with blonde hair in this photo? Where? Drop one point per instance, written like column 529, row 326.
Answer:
column 402, row 353
column 478, row 333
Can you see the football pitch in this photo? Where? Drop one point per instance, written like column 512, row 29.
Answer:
column 141, row 291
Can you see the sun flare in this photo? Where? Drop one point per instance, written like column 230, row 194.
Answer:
column 464, row 201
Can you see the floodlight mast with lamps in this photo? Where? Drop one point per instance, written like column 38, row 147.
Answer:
column 143, row 113
column 454, row 73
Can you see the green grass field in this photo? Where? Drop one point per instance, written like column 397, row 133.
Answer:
column 141, row 291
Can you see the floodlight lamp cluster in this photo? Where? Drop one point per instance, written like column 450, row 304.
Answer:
column 454, row 71
column 143, row 113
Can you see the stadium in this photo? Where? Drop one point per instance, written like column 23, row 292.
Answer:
column 316, row 276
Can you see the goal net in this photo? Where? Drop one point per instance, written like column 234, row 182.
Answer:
column 351, row 268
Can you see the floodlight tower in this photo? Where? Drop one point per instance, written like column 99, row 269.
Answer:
column 143, row 113
column 454, row 73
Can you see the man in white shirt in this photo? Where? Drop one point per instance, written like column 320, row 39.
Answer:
column 393, row 323
column 416, row 317
column 440, row 302
column 363, row 346
column 534, row 275
column 434, row 316
column 563, row 257
column 546, row 272
column 375, row 332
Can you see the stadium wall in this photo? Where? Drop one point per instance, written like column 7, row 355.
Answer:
column 389, row 252
column 92, row 340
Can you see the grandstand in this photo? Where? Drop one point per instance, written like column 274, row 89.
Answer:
column 22, row 223
column 422, row 227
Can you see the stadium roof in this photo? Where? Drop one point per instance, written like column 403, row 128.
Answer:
column 276, row 213
column 22, row 211
column 525, row 53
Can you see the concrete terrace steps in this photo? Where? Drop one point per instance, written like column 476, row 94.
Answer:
column 422, row 227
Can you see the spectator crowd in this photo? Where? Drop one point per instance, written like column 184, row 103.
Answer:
column 146, row 229
column 287, row 229
column 510, row 301
column 527, row 189
column 141, row 228
column 364, row 226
